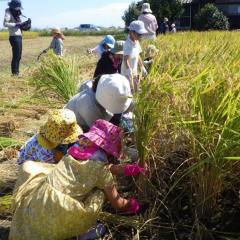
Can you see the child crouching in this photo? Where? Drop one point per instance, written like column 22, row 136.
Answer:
column 60, row 128
column 67, row 200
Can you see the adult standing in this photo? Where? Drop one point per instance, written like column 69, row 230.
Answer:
column 150, row 21
column 12, row 21
column 164, row 26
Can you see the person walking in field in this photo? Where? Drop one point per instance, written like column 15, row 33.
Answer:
column 12, row 20
column 57, row 42
column 150, row 21
column 131, row 54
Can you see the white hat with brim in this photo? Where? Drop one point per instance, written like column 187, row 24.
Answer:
column 114, row 93
column 138, row 27
column 146, row 8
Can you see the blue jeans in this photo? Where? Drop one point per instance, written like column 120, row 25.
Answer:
column 16, row 43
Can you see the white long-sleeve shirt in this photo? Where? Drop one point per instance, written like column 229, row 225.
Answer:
column 10, row 23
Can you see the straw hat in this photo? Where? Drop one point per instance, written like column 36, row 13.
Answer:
column 106, row 136
column 146, row 8
column 56, row 30
column 114, row 93
column 60, row 128
column 151, row 51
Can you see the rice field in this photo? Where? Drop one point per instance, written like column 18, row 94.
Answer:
column 186, row 129
column 26, row 35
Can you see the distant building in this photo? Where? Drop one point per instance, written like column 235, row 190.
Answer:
column 230, row 8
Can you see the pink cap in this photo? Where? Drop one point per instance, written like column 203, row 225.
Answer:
column 107, row 136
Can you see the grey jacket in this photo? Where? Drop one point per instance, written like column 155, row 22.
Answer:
column 87, row 109
column 10, row 23
column 57, row 46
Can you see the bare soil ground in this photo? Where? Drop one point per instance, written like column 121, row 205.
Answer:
column 17, row 103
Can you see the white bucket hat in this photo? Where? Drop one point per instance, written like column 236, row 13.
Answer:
column 114, row 93
column 138, row 27
column 146, row 8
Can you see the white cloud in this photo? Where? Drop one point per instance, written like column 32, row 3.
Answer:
column 109, row 15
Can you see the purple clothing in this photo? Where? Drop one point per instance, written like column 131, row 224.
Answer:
column 33, row 151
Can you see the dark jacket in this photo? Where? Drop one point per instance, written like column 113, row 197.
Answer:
column 106, row 65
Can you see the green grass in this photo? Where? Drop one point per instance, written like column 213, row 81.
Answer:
column 5, row 204
column 7, row 142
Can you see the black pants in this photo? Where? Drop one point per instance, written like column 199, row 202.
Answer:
column 116, row 119
column 16, row 43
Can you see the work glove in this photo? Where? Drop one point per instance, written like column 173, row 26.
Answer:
column 134, row 169
column 89, row 51
column 134, row 207
column 144, row 71
column 129, row 73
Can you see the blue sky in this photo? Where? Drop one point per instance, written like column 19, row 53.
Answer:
column 71, row 13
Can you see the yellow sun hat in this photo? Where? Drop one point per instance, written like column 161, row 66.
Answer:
column 60, row 128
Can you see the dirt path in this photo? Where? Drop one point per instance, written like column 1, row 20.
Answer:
column 17, row 103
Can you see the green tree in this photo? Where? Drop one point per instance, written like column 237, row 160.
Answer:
column 209, row 17
column 131, row 14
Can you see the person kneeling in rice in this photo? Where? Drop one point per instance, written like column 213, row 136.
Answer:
column 67, row 201
column 151, row 53
column 46, row 146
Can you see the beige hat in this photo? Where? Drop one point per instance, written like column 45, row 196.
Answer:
column 146, row 8
column 151, row 51
column 114, row 93
column 56, row 30
column 118, row 47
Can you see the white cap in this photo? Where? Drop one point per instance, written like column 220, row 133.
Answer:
column 146, row 8
column 114, row 93
column 138, row 27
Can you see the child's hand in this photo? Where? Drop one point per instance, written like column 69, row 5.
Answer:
column 89, row 50
column 134, row 169
column 144, row 71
